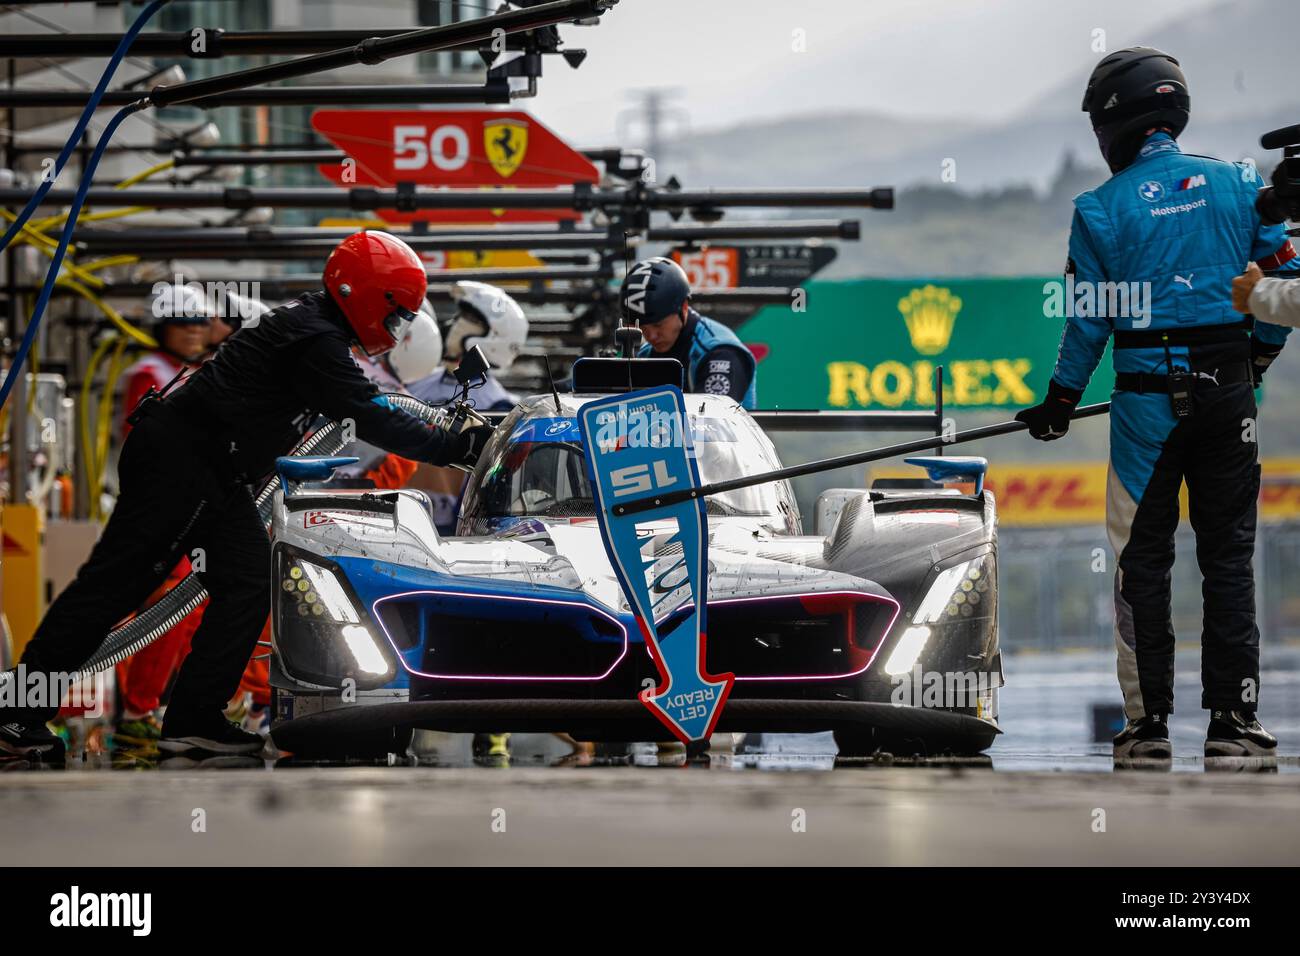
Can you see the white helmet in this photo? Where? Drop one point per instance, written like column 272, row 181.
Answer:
column 242, row 308
column 507, row 325
column 419, row 351
column 181, row 304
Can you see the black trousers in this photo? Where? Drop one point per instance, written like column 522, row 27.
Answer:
column 1214, row 452
column 174, row 499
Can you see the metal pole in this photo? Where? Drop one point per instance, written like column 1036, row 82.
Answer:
column 219, row 43
column 491, row 91
column 849, row 229
column 579, row 198
column 638, row 505
column 196, row 246
column 377, row 49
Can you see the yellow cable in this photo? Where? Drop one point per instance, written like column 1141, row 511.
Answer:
column 115, row 213
column 30, row 233
column 130, row 181
column 87, row 444
column 94, row 467
column 74, row 270
column 109, row 262
column 106, row 404
column 124, row 184
column 136, row 334
column 47, row 246
column 35, row 229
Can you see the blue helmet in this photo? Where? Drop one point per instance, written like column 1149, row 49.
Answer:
column 652, row 290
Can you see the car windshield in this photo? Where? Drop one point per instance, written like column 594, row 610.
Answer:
column 541, row 471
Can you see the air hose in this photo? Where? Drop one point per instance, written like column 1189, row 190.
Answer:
column 172, row 607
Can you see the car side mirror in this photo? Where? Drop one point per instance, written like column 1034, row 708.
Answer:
column 473, row 366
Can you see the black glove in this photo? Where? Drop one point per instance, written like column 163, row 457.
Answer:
column 1050, row 420
column 1261, row 357
column 464, row 447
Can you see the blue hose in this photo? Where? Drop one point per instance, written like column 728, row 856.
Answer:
column 123, row 46
column 62, row 249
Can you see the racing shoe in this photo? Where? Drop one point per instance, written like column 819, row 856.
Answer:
column 214, row 734
column 142, row 732
column 33, row 740
column 491, row 750
column 1236, row 741
column 1143, row 744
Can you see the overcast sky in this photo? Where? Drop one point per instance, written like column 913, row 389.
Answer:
column 733, row 59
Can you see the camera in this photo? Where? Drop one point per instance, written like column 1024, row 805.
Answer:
column 1281, row 201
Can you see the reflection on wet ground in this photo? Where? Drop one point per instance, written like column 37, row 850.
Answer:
column 1047, row 714
column 1038, row 804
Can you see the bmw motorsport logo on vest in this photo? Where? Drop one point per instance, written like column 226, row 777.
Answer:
column 1151, row 191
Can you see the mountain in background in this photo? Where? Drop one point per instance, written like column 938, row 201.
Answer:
column 1008, row 213
column 1237, row 55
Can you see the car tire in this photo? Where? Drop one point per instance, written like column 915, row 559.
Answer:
column 866, row 742
column 373, row 746
column 856, row 742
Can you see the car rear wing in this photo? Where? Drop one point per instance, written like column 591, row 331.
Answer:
column 832, row 420
column 826, row 420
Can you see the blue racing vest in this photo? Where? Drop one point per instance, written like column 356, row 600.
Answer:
column 1174, row 228
column 709, row 335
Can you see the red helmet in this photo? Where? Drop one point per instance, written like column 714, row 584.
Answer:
column 379, row 283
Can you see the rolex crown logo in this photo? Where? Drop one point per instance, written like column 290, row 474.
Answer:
column 930, row 314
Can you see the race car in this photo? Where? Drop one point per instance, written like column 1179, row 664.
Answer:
column 882, row 629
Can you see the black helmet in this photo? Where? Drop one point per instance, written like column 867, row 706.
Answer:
column 652, row 290
column 1130, row 92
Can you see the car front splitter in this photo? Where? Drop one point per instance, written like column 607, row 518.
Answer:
column 624, row 719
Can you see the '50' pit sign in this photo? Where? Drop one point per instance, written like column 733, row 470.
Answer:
column 452, row 148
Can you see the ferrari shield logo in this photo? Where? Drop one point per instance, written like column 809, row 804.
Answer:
column 505, row 141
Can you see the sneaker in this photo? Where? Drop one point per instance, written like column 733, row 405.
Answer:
column 140, row 732
column 257, row 720
column 1236, row 741
column 1144, row 744
column 214, row 735
column 491, row 750
column 31, row 739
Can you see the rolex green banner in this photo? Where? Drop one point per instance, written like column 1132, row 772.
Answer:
column 875, row 343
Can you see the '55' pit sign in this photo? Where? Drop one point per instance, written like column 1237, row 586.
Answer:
column 638, row 444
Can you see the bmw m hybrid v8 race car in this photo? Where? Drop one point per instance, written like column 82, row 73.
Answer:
column 882, row 629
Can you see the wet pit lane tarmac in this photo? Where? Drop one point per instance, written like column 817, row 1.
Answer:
column 1036, row 797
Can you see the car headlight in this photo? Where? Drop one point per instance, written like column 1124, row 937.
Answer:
column 959, row 594
column 907, row 650
column 321, row 634
column 363, row 647
column 321, row 591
